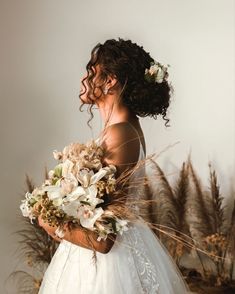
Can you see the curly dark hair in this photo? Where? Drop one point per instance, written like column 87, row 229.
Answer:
column 128, row 61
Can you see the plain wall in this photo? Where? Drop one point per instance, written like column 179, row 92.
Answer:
column 45, row 46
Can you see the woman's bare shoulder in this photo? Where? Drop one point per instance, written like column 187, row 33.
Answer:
column 120, row 133
column 121, row 144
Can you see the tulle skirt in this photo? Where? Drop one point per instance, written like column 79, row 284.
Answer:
column 137, row 263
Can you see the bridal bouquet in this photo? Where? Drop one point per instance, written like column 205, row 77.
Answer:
column 78, row 191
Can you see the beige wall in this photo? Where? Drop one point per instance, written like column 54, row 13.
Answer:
column 44, row 48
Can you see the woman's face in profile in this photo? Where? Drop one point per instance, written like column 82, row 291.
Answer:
column 89, row 93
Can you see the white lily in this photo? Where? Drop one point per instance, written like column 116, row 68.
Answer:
column 37, row 192
column 121, row 225
column 93, row 201
column 26, row 210
column 88, row 217
column 71, row 208
column 88, row 181
column 103, row 231
column 67, row 168
column 54, row 191
column 68, row 183
column 87, row 177
column 91, row 191
column 76, row 193
column 88, row 193
column 84, row 177
column 99, row 175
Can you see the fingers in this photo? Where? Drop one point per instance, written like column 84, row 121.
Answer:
column 55, row 238
column 40, row 221
column 48, row 229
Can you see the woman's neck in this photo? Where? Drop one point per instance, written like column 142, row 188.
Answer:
column 114, row 111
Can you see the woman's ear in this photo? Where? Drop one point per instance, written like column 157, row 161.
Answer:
column 111, row 82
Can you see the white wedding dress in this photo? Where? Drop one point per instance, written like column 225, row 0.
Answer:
column 136, row 264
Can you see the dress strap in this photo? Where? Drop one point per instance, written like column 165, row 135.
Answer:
column 141, row 145
column 134, row 130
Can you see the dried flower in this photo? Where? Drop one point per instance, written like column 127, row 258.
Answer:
column 74, row 189
column 157, row 72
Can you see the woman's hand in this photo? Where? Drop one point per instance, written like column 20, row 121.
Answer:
column 49, row 229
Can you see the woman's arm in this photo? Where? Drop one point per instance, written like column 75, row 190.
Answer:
column 121, row 148
column 79, row 237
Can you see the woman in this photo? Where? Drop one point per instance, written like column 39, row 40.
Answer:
column 134, row 262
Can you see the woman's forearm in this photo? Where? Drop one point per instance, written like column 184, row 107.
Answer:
column 78, row 236
column 88, row 240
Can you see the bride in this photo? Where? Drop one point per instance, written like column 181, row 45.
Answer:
column 122, row 81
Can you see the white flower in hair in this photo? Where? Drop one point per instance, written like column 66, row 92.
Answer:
column 156, row 73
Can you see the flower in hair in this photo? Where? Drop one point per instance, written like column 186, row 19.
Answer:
column 157, row 72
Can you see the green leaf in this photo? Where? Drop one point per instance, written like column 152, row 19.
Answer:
column 58, row 171
column 149, row 78
column 85, row 202
column 113, row 223
column 32, row 201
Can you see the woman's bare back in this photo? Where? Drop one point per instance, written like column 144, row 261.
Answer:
column 121, row 142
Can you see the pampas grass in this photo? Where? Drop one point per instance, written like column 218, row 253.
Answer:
column 181, row 191
column 36, row 249
column 21, row 282
column 216, row 200
column 186, row 216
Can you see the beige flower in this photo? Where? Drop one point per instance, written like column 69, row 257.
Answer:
column 157, row 71
column 67, row 168
column 57, row 155
column 68, row 184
